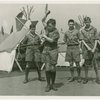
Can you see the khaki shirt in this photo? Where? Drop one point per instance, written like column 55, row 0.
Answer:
column 89, row 36
column 32, row 41
column 72, row 37
column 55, row 36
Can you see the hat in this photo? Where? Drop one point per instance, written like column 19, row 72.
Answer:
column 87, row 19
column 33, row 24
column 52, row 21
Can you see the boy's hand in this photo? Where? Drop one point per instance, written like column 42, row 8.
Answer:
column 48, row 12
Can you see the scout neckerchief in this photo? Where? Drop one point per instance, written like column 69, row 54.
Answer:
column 90, row 53
column 25, row 45
column 32, row 35
column 71, row 32
column 85, row 35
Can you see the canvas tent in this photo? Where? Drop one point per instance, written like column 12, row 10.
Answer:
column 9, row 43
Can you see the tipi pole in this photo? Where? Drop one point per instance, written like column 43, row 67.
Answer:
column 18, row 65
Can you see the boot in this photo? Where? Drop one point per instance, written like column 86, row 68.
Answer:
column 86, row 75
column 72, row 75
column 48, row 81
column 39, row 72
column 97, row 80
column 72, row 79
column 53, row 77
column 39, row 75
column 79, row 72
column 48, row 88
column 40, row 78
column 26, row 75
column 85, row 81
column 97, row 72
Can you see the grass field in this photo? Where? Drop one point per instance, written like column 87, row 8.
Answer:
column 12, row 84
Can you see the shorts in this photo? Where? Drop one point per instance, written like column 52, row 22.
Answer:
column 87, row 54
column 50, row 58
column 50, row 67
column 73, row 54
column 33, row 55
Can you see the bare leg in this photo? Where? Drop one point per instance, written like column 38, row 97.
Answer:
column 53, row 77
column 48, row 76
column 86, row 72
column 96, row 71
column 38, row 67
column 71, row 71
column 78, row 71
column 27, row 71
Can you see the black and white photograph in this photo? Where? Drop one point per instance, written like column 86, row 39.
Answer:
column 49, row 49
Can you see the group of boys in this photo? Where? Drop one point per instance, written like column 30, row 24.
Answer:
column 83, row 41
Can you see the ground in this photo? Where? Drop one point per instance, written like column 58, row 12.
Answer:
column 12, row 84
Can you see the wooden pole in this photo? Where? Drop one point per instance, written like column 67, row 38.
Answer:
column 18, row 65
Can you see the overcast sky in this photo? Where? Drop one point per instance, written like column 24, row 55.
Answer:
column 61, row 12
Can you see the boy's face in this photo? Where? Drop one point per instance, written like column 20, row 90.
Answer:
column 50, row 27
column 71, row 25
column 87, row 23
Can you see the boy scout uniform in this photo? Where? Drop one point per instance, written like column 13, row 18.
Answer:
column 89, row 36
column 71, row 38
column 50, row 51
column 33, row 55
column 97, row 52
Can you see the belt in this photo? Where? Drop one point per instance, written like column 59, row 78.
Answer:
column 73, row 45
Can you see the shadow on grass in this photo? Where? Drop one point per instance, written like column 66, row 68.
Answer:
column 36, row 79
column 11, row 74
column 59, row 85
